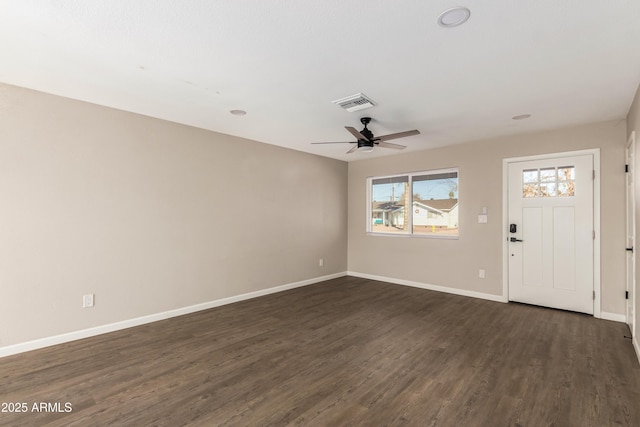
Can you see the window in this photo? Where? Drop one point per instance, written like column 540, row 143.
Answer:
column 549, row 182
column 418, row 204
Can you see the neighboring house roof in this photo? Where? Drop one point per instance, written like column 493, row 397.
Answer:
column 441, row 205
column 386, row 206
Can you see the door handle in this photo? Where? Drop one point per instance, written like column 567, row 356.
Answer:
column 513, row 239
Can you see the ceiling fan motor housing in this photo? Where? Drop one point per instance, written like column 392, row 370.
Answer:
column 366, row 132
column 365, row 143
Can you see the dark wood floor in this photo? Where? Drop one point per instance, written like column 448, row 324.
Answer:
column 348, row 351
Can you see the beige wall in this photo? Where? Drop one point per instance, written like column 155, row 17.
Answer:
column 149, row 215
column 633, row 124
column 152, row 216
column 455, row 263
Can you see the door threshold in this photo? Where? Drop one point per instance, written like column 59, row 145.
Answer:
column 550, row 308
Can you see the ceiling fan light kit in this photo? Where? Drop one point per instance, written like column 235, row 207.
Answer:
column 365, row 148
column 366, row 141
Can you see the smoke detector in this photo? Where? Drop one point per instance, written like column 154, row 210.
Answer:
column 354, row 102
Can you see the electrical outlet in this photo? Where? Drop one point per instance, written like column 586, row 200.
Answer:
column 87, row 300
column 481, row 273
column 321, row 262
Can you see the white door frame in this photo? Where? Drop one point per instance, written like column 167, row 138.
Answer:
column 596, row 219
column 630, row 151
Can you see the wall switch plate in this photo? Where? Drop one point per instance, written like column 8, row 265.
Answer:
column 321, row 262
column 481, row 273
column 87, row 300
column 482, row 219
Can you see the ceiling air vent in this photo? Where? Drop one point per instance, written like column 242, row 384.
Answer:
column 354, row 102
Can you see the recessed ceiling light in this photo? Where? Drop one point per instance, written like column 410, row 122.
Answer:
column 454, row 17
column 521, row 117
column 238, row 112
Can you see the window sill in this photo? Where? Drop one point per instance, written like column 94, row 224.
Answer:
column 418, row 236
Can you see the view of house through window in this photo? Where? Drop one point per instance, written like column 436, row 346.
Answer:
column 423, row 203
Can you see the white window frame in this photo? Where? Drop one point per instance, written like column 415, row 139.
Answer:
column 409, row 233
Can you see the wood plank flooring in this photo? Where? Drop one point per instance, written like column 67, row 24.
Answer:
column 345, row 352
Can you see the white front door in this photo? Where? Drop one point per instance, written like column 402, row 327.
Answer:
column 631, row 232
column 551, row 248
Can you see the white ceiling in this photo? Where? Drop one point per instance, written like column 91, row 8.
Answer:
column 283, row 61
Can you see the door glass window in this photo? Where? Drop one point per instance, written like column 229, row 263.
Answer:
column 549, row 182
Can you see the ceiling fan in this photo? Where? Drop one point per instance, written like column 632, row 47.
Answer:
column 366, row 141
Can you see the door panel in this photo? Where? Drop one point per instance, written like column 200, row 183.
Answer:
column 564, row 248
column 551, row 256
column 533, row 251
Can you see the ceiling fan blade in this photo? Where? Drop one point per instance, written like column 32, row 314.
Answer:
column 337, row 142
column 355, row 147
column 390, row 145
column 355, row 133
column 398, row 135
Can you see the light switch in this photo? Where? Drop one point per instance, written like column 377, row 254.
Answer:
column 482, row 219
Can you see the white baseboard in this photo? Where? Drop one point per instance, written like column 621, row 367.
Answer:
column 456, row 291
column 613, row 316
column 112, row 327
column 499, row 298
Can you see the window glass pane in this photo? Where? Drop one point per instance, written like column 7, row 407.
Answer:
column 548, row 189
column 529, row 176
column 566, row 189
column 530, row 190
column 435, row 204
column 566, row 173
column 388, row 205
column 548, row 175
